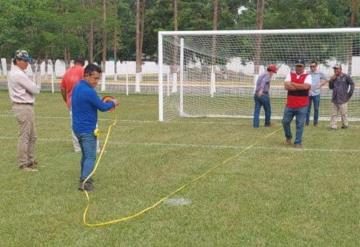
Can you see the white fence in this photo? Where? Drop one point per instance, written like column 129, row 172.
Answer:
column 124, row 78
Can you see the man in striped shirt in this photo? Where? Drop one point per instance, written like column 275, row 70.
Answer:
column 298, row 84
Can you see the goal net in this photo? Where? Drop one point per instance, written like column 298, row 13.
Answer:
column 213, row 73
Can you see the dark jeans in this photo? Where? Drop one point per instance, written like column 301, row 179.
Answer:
column 316, row 101
column 300, row 114
column 262, row 101
column 87, row 143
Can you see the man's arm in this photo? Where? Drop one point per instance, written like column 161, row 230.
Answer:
column 323, row 79
column 352, row 86
column 303, row 86
column 63, row 93
column 288, row 85
column 262, row 82
column 331, row 82
column 292, row 86
column 63, row 87
column 28, row 84
column 323, row 83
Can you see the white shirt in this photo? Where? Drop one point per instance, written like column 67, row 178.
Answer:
column 21, row 88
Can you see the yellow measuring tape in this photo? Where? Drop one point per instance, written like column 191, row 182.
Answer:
column 141, row 212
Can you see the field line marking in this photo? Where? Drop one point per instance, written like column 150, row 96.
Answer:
column 355, row 126
column 190, row 145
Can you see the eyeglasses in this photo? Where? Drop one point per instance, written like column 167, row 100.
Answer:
column 312, row 66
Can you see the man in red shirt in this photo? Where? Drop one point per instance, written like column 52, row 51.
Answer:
column 71, row 77
column 298, row 84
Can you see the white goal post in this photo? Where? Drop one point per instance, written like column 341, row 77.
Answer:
column 212, row 73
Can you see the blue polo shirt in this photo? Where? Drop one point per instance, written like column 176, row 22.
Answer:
column 84, row 105
column 316, row 78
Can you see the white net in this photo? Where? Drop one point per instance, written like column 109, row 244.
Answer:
column 212, row 74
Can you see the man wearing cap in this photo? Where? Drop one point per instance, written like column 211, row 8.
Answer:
column 318, row 79
column 343, row 88
column 298, row 84
column 71, row 77
column 22, row 91
column 261, row 96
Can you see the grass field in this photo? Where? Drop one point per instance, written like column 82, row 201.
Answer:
column 267, row 195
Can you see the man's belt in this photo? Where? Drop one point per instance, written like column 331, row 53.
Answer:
column 23, row 103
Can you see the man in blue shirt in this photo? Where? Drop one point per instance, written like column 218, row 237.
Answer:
column 318, row 79
column 85, row 103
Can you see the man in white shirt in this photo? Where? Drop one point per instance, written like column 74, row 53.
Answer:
column 318, row 79
column 22, row 91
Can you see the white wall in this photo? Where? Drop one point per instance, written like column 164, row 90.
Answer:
column 129, row 67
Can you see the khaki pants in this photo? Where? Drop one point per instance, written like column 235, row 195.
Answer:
column 343, row 110
column 27, row 133
column 75, row 141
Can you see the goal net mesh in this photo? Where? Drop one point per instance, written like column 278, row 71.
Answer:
column 213, row 75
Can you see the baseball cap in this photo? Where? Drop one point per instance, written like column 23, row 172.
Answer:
column 337, row 66
column 23, row 55
column 272, row 68
column 300, row 62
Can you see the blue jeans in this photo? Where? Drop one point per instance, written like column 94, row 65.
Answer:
column 87, row 143
column 316, row 101
column 300, row 114
column 262, row 101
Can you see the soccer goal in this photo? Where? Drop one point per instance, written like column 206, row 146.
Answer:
column 213, row 73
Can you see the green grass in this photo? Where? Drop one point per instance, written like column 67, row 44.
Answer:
column 269, row 195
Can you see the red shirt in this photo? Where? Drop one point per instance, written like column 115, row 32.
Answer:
column 71, row 77
column 298, row 98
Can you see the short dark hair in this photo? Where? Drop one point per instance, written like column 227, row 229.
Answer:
column 313, row 61
column 90, row 68
column 80, row 60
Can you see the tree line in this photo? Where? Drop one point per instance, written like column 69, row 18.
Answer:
column 101, row 30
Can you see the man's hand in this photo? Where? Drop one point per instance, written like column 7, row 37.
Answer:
column 289, row 86
column 116, row 102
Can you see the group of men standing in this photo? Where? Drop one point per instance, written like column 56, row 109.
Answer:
column 78, row 91
column 303, row 90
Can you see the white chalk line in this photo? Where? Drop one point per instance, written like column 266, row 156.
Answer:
column 352, row 126
column 190, row 145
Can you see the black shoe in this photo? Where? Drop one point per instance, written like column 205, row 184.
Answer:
column 344, row 127
column 27, row 168
column 297, row 146
column 33, row 164
column 88, row 185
